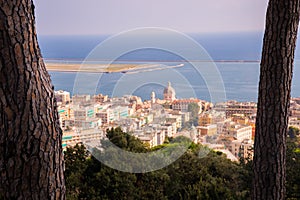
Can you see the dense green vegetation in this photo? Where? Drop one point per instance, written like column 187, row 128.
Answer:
column 198, row 174
column 293, row 164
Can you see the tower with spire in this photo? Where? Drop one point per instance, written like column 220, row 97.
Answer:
column 153, row 100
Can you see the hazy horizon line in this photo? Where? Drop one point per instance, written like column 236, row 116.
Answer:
column 187, row 33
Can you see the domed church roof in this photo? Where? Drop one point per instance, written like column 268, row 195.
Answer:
column 169, row 89
column 169, row 93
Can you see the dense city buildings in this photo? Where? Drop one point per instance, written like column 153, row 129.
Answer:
column 294, row 119
column 227, row 126
column 233, row 107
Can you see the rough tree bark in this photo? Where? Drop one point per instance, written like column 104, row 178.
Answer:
column 31, row 160
column 276, row 71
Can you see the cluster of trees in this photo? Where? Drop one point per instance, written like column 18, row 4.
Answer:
column 293, row 164
column 192, row 176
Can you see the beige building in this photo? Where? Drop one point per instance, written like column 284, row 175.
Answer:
column 83, row 113
column 81, row 99
column 183, row 104
column 168, row 129
column 295, row 113
column 62, row 97
column 240, row 119
column 208, row 130
column 247, row 149
column 107, row 116
column 148, row 140
column 234, row 107
column 175, row 119
column 242, row 149
column 100, row 98
column 294, row 121
column 152, row 139
column 64, row 114
column 240, row 132
column 205, row 119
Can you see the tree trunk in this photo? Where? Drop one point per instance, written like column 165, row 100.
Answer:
column 276, row 71
column 31, row 159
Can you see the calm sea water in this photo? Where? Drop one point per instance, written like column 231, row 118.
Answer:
column 240, row 79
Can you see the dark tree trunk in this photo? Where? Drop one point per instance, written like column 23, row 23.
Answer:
column 274, row 99
column 31, row 160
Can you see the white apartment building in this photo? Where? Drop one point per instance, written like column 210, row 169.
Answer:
column 242, row 149
column 238, row 131
column 90, row 136
column 78, row 99
column 62, row 97
column 82, row 113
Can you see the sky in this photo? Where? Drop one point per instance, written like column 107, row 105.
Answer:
column 96, row 17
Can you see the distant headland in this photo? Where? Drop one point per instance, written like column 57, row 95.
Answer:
column 106, row 68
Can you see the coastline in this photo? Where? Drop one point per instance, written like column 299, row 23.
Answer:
column 124, row 68
column 106, row 68
column 93, row 68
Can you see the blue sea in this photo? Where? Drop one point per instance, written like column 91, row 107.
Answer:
column 233, row 76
